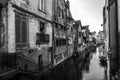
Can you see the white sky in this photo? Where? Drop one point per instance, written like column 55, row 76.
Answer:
column 90, row 12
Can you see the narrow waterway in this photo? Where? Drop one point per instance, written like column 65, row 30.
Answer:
column 81, row 67
column 96, row 71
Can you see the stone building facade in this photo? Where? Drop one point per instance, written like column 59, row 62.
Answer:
column 100, row 37
column 60, row 30
column 26, row 32
column 78, row 39
column 85, row 31
column 106, row 27
column 111, row 24
column 35, row 35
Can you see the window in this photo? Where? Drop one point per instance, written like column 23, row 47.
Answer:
column 42, row 27
column 56, row 25
column 41, row 5
column 57, row 43
column 61, row 42
column 59, row 12
column 21, row 30
column 41, row 37
column 62, row 14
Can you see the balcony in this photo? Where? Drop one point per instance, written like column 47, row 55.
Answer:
column 42, row 38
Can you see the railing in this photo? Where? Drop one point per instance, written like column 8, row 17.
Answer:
column 11, row 61
column 7, row 62
column 42, row 38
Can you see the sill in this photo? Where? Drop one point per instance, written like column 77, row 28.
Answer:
column 42, row 43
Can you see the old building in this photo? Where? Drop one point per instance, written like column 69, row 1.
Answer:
column 100, row 37
column 77, row 32
column 60, row 31
column 106, row 27
column 85, row 32
column 70, row 22
column 34, row 35
column 111, row 30
column 92, row 37
column 26, row 34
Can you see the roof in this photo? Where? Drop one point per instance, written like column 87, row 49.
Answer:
column 85, row 27
column 77, row 23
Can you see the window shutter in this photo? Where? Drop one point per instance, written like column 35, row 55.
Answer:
column 24, row 30
column 17, row 28
column 21, row 30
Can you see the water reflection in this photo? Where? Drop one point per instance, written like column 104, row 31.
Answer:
column 79, row 68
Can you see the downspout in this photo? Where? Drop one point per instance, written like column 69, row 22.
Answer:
column 118, row 33
column 53, row 40
column 0, row 29
column 67, row 29
column 7, row 27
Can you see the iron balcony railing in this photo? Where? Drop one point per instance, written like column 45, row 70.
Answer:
column 42, row 38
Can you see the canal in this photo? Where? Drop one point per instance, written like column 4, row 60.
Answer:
column 80, row 67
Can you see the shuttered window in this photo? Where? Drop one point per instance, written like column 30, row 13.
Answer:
column 20, row 30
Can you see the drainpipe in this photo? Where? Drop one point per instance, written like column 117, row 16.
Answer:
column 0, row 30
column 67, row 31
column 53, row 38
column 118, row 33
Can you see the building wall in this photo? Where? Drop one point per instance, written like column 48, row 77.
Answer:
column 100, row 37
column 106, row 28
column 113, row 37
column 3, row 28
column 32, row 6
column 60, row 30
column 118, row 5
column 11, row 29
column 33, row 28
column 113, row 30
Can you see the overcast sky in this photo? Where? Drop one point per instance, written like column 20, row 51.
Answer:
column 89, row 12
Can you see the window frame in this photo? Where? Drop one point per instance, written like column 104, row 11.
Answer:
column 41, row 5
column 22, row 44
column 44, row 28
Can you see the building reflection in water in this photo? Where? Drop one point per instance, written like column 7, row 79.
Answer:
column 74, row 69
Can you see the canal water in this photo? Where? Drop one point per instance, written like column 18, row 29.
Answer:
column 80, row 67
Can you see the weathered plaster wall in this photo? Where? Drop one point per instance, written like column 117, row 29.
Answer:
column 32, row 6
column 11, row 29
column 33, row 26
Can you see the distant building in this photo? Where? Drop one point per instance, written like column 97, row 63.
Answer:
column 77, row 32
column 100, row 37
column 70, row 22
column 60, row 30
column 85, row 32
column 92, row 36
